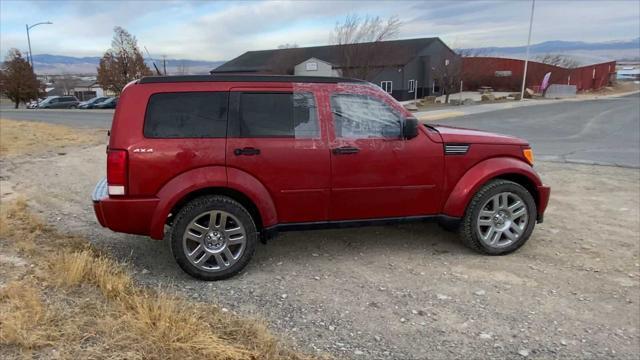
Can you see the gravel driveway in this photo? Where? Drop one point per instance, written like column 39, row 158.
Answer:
column 408, row 291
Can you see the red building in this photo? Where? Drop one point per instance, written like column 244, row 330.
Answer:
column 503, row 74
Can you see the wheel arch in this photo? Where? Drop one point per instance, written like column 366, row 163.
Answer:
column 495, row 168
column 236, row 195
column 214, row 180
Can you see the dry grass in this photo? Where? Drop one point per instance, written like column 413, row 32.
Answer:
column 79, row 303
column 29, row 137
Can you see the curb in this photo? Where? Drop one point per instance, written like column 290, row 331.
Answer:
column 444, row 114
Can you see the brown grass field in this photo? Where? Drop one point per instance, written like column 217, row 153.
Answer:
column 62, row 298
column 29, row 137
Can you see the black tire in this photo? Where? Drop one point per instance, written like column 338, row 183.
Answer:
column 468, row 228
column 192, row 210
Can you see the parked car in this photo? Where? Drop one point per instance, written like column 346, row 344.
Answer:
column 110, row 103
column 34, row 104
column 89, row 104
column 59, row 102
column 227, row 160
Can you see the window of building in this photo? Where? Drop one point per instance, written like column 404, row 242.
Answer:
column 387, row 86
column 186, row 115
column 278, row 115
column 360, row 116
column 312, row 66
column 412, row 86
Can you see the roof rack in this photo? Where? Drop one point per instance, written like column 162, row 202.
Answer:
column 246, row 78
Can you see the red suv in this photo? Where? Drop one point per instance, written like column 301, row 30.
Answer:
column 226, row 160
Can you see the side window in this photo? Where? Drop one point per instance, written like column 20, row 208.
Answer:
column 186, row 115
column 359, row 116
column 278, row 115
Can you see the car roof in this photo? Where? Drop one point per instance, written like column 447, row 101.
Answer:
column 247, row 78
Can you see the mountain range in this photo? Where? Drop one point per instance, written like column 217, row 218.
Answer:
column 59, row 64
column 583, row 52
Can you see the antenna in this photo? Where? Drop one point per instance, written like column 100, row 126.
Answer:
column 153, row 61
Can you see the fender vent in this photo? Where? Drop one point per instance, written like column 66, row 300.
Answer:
column 456, row 149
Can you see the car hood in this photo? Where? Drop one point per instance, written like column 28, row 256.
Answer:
column 452, row 134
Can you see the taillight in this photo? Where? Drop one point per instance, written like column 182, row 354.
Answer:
column 117, row 172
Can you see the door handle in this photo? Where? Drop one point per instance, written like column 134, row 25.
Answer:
column 249, row 151
column 345, row 150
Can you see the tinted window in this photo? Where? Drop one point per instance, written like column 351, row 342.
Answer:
column 278, row 115
column 359, row 116
column 186, row 115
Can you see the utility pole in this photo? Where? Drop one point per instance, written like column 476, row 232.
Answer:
column 29, row 27
column 164, row 64
column 526, row 59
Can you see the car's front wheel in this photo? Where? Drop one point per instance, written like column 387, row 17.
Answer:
column 499, row 219
column 213, row 238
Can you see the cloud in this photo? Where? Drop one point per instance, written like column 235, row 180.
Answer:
column 223, row 30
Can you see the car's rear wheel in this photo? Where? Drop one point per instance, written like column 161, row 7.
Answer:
column 499, row 219
column 213, row 238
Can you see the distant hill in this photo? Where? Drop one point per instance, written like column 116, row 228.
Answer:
column 59, row 64
column 584, row 52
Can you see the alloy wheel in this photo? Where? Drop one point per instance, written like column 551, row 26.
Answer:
column 502, row 220
column 214, row 240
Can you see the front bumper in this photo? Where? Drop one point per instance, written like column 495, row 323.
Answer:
column 127, row 215
column 544, row 192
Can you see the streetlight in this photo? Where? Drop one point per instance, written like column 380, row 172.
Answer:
column 526, row 59
column 29, row 27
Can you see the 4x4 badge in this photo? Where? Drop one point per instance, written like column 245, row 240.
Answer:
column 143, row 150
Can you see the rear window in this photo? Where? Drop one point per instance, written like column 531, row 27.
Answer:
column 187, row 115
column 278, row 115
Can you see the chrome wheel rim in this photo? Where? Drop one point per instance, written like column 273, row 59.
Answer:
column 502, row 220
column 214, row 240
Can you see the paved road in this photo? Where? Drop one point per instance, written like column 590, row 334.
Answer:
column 76, row 118
column 603, row 131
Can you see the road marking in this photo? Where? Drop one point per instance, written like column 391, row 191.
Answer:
column 440, row 116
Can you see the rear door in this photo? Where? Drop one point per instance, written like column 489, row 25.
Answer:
column 275, row 135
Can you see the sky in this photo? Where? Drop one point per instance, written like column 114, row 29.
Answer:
column 216, row 30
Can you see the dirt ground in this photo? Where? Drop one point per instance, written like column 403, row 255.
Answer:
column 408, row 291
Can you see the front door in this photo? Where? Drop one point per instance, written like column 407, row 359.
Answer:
column 374, row 172
column 275, row 136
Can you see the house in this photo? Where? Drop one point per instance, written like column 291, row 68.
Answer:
column 400, row 67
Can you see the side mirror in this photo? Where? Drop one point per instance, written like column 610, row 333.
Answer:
column 410, row 128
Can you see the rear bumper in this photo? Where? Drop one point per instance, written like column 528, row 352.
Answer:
column 132, row 216
column 544, row 193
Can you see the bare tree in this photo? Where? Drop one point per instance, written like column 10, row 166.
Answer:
column 447, row 72
column 18, row 82
column 67, row 83
column 471, row 52
column 122, row 63
column 361, row 44
column 558, row 60
column 288, row 46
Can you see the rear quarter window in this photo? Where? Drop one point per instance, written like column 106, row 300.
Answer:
column 187, row 115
